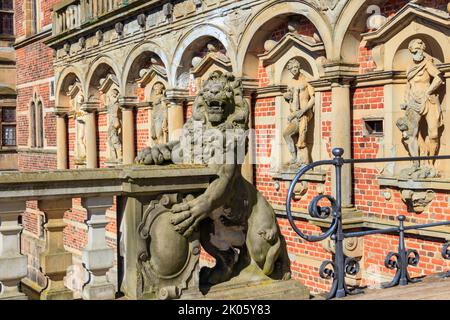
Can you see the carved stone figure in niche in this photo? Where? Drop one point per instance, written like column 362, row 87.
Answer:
column 159, row 121
column 301, row 100
column 114, row 126
column 235, row 223
column 81, row 130
column 423, row 114
column 77, row 100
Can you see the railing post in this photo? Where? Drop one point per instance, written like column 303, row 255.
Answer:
column 55, row 259
column 13, row 265
column 98, row 257
column 339, row 235
column 402, row 251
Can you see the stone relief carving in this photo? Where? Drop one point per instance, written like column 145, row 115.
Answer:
column 167, row 259
column 423, row 112
column 237, row 225
column 159, row 115
column 114, row 126
column 417, row 201
column 331, row 8
column 77, row 100
column 301, row 99
column 236, row 22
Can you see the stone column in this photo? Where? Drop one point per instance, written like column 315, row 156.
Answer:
column 61, row 139
column 128, row 105
column 91, row 135
column 176, row 99
column 341, row 134
column 250, row 86
column 98, row 257
column 13, row 265
column 55, row 259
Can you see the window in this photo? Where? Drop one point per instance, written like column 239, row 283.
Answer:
column 8, row 126
column 37, row 124
column 52, row 89
column 373, row 127
column 6, row 17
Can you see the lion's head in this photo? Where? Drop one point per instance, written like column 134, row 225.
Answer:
column 218, row 97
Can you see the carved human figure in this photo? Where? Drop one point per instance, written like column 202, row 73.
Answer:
column 114, row 126
column 80, row 128
column 301, row 99
column 422, row 108
column 159, row 119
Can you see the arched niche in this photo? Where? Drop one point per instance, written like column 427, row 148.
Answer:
column 270, row 18
column 276, row 36
column 194, row 43
column 146, row 69
column 71, row 98
column 141, row 57
column 204, row 55
column 391, row 54
column 308, row 74
column 64, row 79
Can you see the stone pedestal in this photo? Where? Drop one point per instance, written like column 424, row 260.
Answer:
column 55, row 259
column 13, row 265
column 98, row 257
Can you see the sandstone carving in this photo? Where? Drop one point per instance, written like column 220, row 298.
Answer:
column 417, row 201
column 114, row 126
column 236, row 224
column 423, row 111
column 159, row 119
column 301, row 100
column 77, row 99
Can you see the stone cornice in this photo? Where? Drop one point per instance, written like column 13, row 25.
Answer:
column 404, row 16
column 34, row 38
column 271, row 91
column 128, row 102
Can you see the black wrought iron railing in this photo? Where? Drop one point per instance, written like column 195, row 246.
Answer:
column 340, row 266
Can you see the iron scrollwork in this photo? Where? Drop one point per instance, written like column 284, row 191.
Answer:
column 342, row 266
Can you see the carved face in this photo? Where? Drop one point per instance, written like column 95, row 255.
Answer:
column 417, row 48
column 294, row 67
column 217, row 94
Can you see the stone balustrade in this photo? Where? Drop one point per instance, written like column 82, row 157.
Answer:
column 72, row 14
column 97, row 189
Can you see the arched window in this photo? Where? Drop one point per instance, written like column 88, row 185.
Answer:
column 37, row 124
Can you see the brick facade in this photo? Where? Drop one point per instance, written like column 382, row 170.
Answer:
column 35, row 68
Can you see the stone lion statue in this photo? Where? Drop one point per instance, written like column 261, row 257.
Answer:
column 237, row 225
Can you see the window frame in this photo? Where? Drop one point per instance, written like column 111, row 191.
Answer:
column 7, row 12
column 8, row 124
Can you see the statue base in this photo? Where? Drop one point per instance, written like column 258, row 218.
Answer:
column 250, row 284
column 259, row 290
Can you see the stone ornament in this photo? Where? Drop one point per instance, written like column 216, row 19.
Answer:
column 423, row 112
column 141, row 20
column 237, row 225
column 119, row 28
column 77, row 100
column 159, row 115
column 114, row 126
column 417, row 201
column 301, row 99
column 167, row 259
